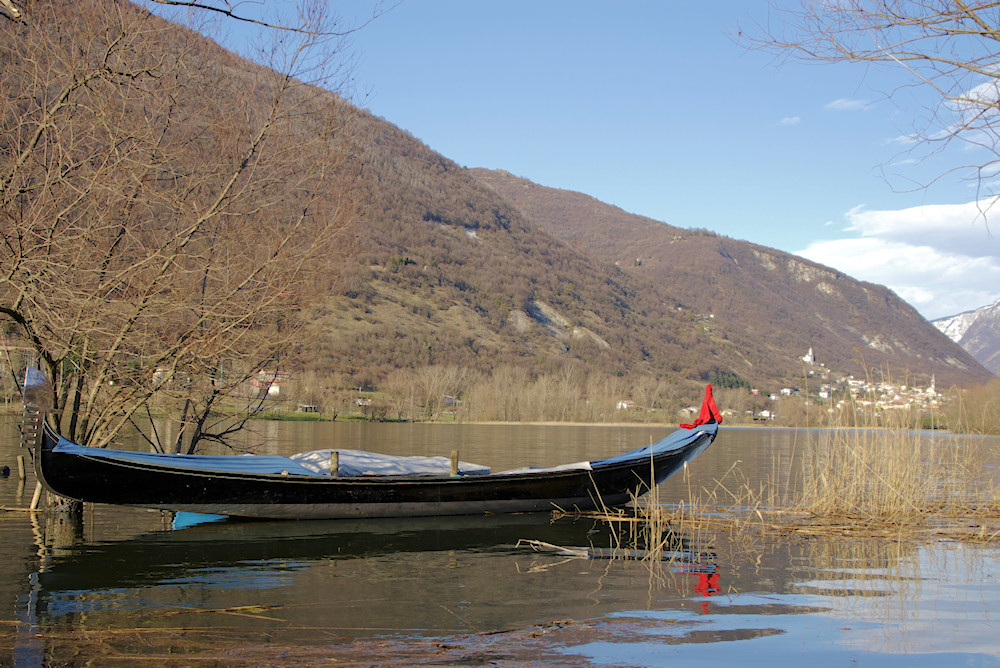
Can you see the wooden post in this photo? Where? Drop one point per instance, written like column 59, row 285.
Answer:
column 20, row 467
column 36, row 497
column 335, row 463
column 454, row 462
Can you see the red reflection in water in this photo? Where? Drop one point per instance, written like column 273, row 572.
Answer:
column 708, row 584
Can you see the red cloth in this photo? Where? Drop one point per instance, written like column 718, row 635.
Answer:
column 709, row 411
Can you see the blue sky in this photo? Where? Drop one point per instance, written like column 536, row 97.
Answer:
column 656, row 108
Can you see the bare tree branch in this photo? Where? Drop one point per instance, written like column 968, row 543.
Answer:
column 167, row 211
column 951, row 50
column 233, row 11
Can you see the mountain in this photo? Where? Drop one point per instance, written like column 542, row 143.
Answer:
column 482, row 271
column 766, row 307
column 978, row 332
column 444, row 270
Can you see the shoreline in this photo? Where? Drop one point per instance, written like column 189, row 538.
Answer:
column 555, row 423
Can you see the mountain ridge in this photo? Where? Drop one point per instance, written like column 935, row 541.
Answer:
column 755, row 293
column 978, row 332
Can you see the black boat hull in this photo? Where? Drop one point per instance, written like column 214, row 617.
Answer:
column 103, row 479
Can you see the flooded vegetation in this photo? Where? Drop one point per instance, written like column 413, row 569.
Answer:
column 745, row 557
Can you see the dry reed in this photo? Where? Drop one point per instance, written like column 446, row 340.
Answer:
column 890, row 480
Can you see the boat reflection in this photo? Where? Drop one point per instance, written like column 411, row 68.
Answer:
column 389, row 572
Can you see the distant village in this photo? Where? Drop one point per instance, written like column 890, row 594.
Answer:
column 843, row 391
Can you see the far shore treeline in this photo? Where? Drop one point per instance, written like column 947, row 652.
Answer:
column 453, row 394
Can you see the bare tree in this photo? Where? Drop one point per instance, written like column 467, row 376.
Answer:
column 569, row 383
column 652, row 394
column 499, row 396
column 441, row 387
column 949, row 49
column 168, row 213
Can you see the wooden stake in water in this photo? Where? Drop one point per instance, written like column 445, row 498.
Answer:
column 335, row 463
column 454, row 462
column 20, row 467
column 36, row 497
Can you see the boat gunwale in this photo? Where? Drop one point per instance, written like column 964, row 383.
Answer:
column 413, row 479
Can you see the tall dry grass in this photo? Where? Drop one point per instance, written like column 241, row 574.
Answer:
column 976, row 410
column 867, row 477
column 893, row 473
column 879, row 479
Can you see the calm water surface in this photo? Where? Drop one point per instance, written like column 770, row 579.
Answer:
column 460, row 590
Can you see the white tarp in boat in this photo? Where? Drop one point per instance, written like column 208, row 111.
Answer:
column 361, row 463
column 576, row 466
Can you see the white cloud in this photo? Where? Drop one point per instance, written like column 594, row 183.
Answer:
column 844, row 104
column 790, row 120
column 939, row 258
column 903, row 140
column 959, row 228
column 977, row 101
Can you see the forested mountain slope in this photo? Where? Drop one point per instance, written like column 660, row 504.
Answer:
column 767, row 304
column 445, row 271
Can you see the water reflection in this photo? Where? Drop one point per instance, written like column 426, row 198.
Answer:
column 303, row 583
column 259, row 555
column 126, row 584
column 900, row 597
column 292, row 580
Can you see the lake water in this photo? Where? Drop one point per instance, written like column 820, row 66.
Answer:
column 460, row 591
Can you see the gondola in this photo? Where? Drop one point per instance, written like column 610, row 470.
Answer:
column 297, row 487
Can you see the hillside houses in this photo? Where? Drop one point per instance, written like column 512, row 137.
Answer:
column 838, row 392
column 846, row 394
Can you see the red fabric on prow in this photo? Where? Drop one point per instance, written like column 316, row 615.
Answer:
column 709, row 411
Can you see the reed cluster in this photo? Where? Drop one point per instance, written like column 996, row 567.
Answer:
column 863, row 480
column 892, row 475
column 976, row 409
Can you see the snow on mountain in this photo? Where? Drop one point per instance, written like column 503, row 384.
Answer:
column 955, row 326
column 978, row 332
